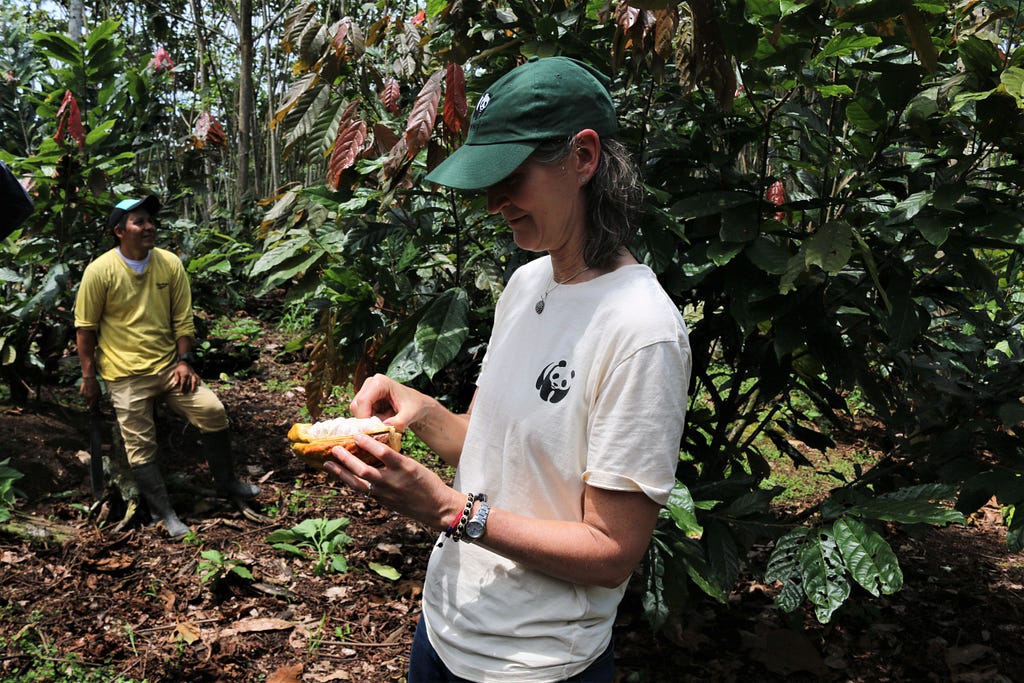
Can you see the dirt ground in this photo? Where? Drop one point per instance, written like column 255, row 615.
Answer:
column 133, row 601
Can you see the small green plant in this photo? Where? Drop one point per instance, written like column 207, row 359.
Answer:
column 323, row 538
column 298, row 498
column 343, row 633
column 235, row 329
column 8, row 492
column 192, row 538
column 130, row 632
column 280, row 385
column 316, row 639
column 215, row 567
column 298, row 317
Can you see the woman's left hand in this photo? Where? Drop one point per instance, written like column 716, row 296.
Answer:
column 401, row 483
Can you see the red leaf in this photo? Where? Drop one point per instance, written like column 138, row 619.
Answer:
column 347, row 146
column 390, row 95
column 455, row 107
column 420, row 16
column 69, row 120
column 424, row 113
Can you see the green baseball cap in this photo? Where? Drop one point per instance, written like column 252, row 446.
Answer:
column 540, row 100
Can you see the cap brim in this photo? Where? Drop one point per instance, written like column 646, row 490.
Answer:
column 474, row 167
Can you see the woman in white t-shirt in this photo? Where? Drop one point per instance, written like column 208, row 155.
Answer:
column 570, row 445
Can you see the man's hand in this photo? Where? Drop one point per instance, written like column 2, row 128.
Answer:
column 90, row 390
column 185, row 378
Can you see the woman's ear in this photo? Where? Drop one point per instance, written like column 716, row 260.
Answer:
column 586, row 153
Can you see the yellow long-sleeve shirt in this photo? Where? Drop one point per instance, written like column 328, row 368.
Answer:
column 138, row 316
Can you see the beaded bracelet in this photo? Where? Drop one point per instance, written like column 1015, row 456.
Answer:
column 459, row 519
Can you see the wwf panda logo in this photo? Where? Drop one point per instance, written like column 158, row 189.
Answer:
column 555, row 381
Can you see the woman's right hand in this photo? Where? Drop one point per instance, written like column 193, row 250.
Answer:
column 393, row 402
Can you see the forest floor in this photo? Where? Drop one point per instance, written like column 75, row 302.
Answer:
column 129, row 604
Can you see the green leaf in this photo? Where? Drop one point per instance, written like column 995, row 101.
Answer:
column 682, row 511
column 59, row 46
column 784, row 566
column 99, row 133
column 723, row 553
column 830, row 247
column 387, row 571
column 843, row 45
column 442, row 330
column 868, row 557
column 907, row 511
column 710, row 203
column 768, row 256
column 242, row 571
column 289, row 548
column 823, row 573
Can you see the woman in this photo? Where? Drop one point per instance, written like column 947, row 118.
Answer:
column 573, row 433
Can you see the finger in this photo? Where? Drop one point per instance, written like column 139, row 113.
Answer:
column 375, row 448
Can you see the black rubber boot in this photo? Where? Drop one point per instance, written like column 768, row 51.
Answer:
column 222, row 466
column 151, row 485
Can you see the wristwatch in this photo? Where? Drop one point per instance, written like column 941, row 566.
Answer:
column 478, row 524
column 188, row 357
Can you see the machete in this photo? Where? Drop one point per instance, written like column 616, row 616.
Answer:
column 96, row 452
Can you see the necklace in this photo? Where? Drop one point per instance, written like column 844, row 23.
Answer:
column 539, row 306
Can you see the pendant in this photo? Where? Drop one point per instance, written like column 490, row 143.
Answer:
column 539, row 307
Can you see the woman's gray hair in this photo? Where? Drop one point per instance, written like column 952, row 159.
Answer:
column 613, row 196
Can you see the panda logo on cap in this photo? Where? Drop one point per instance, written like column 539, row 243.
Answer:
column 482, row 104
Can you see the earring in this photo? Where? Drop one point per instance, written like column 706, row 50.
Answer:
column 583, row 180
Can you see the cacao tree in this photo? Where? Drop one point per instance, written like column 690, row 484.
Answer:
column 833, row 202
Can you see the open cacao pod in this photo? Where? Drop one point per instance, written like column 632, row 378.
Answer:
column 312, row 443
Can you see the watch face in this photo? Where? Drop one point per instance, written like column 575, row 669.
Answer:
column 474, row 530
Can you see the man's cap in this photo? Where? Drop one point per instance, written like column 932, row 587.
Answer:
column 543, row 99
column 150, row 203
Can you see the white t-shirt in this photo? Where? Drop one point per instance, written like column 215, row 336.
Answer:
column 592, row 391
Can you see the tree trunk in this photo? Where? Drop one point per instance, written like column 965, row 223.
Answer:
column 245, row 103
column 76, row 19
column 204, row 92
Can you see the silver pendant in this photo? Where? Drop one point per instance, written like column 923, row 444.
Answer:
column 539, row 307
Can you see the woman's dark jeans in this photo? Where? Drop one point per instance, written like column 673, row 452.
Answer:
column 426, row 667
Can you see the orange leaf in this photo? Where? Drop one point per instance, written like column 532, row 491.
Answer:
column 347, row 146
column 424, row 114
column 455, row 106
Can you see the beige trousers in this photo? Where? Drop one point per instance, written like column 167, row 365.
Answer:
column 135, row 397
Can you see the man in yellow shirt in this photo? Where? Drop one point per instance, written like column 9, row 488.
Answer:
column 133, row 315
